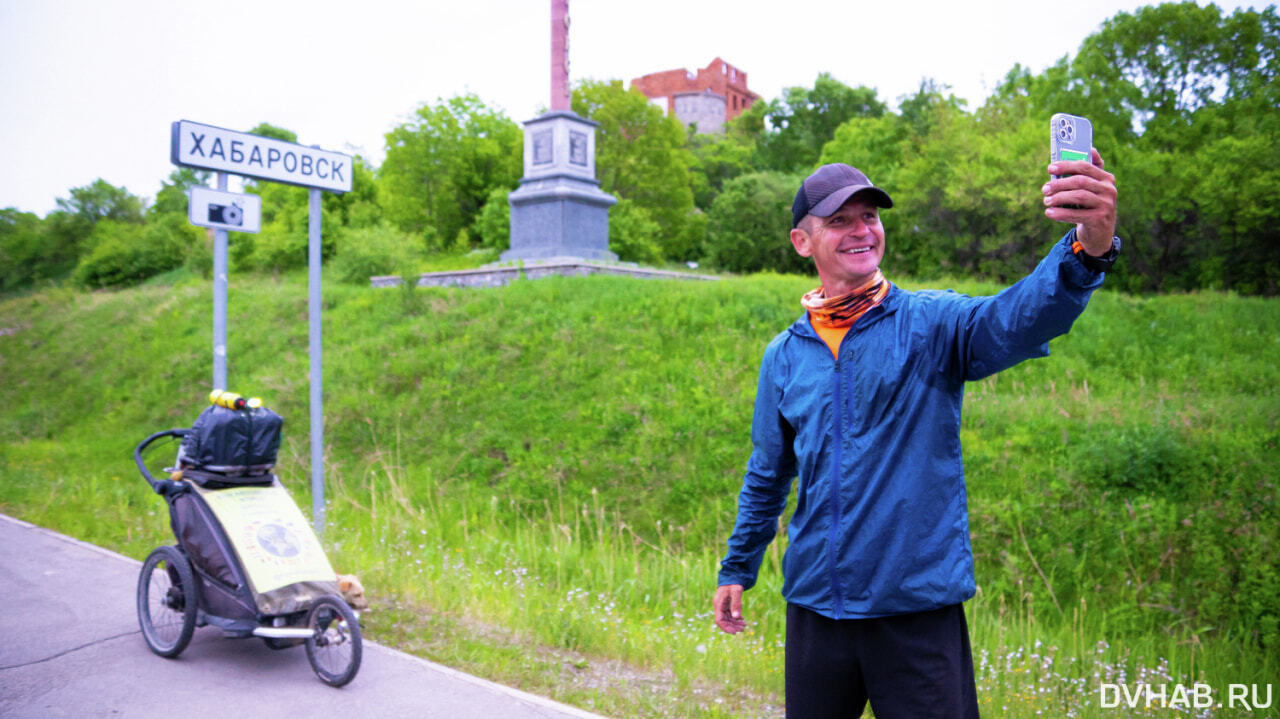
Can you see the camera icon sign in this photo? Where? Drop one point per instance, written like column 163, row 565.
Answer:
column 229, row 214
column 225, row 210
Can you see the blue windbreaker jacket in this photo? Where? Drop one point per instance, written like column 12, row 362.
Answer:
column 881, row 524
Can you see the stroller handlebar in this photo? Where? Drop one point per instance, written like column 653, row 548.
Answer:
column 161, row 486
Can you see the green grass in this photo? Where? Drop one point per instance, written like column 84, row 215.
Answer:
column 535, row 482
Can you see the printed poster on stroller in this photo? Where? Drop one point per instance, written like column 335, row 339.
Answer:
column 274, row 541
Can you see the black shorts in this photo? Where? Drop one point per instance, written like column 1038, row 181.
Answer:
column 910, row 666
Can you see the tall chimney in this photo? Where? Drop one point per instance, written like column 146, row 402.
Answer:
column 559, row 55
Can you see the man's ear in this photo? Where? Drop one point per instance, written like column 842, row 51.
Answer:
column 800, row 240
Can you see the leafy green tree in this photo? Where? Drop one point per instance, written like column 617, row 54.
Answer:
column 441, row 166
column 717, row 159
column 641, row 156
column 68, row 228
column 1244, row 219
column 1162, row 63
column 633, row 234
column 805, row 119
column 493, row 224
column 358, row 208
column 283, row 240
column 22, row 248
column 365, row 252
column 102, row 201
column 1187, row 78
column 172, row 197
column 125, row 253
column 749, row 225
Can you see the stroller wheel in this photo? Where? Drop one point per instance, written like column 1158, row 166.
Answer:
column 334, row 647
column 167, row 601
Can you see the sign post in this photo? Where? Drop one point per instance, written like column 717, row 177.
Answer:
column 220, row 299
column 317, row 400
column 226, row 151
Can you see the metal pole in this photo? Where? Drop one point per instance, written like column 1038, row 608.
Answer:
column 317, row 412
column 220, row 300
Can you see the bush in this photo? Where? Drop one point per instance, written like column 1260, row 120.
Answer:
column 278, row 248
column 749, row 224
column 22, row 247
column 493, row 223
column 378, row 250
column 124, row 253
column 633, row 233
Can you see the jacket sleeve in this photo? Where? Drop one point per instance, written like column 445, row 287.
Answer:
column 1000, row 331
column 770, row 470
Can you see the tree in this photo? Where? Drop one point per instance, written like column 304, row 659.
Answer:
column 441, row 166
column 493, row 224
column 172, row 197
column 68, row 228
column 102, row 201
column 125, row 253
column 803, row 120
column 749, row 224
column 717, row 159
column 633, row 234
column 1186, row 78
column 283, row 241
column 641, row 157
column 22, row 248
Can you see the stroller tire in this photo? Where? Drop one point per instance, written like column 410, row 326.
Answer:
column 334, row 648
column 167, row 601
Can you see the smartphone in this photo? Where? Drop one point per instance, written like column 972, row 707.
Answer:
column 1070, row 138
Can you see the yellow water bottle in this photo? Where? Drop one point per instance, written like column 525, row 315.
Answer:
column 231, row 400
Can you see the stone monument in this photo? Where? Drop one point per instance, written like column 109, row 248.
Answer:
column 559, row 210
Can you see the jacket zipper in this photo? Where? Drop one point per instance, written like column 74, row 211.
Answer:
column 833, row 538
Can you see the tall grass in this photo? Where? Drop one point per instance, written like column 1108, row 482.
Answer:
column 535, row 482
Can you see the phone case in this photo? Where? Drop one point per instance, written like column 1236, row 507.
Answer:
column 1071, row 138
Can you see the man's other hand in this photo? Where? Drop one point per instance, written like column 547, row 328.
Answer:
column 1092, row 192
column 728, row 608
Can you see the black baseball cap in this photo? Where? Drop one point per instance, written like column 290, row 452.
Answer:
column 823, row 192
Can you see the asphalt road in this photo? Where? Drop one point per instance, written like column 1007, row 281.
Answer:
column 70, row 647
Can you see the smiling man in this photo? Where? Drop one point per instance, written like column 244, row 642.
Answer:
column 860, row 400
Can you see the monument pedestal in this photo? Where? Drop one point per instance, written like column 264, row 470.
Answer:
column 559, row 209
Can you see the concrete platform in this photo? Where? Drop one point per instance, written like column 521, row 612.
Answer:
column 496, row 275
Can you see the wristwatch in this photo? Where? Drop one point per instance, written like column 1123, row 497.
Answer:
column 1097, row 264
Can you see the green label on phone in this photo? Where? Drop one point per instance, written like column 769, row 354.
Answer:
column 1073, row 155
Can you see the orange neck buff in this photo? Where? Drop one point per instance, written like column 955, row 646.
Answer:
column 832, row 317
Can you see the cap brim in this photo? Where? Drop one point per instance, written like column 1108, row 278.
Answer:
column 835, row 200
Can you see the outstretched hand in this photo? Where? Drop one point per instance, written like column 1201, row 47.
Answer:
column 1091, row 191
column 728, row 608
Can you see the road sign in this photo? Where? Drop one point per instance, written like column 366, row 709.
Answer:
column 224, row 210
column 240, row 153
column 192, row 144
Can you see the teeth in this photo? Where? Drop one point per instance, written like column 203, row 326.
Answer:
column 856, row 251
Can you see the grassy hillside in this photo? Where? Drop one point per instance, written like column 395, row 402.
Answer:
column 536, row 481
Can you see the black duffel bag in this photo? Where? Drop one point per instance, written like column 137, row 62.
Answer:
column 233, row 442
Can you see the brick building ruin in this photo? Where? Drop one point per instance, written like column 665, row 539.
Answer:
column 708, row 99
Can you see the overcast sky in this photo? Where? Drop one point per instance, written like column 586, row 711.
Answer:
column 88, row 88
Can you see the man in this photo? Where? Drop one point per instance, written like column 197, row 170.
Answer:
column 860, row 399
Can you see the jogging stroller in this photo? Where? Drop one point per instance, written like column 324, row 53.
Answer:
column 246, row 561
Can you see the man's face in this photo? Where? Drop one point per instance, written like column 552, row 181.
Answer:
column 846, row 247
